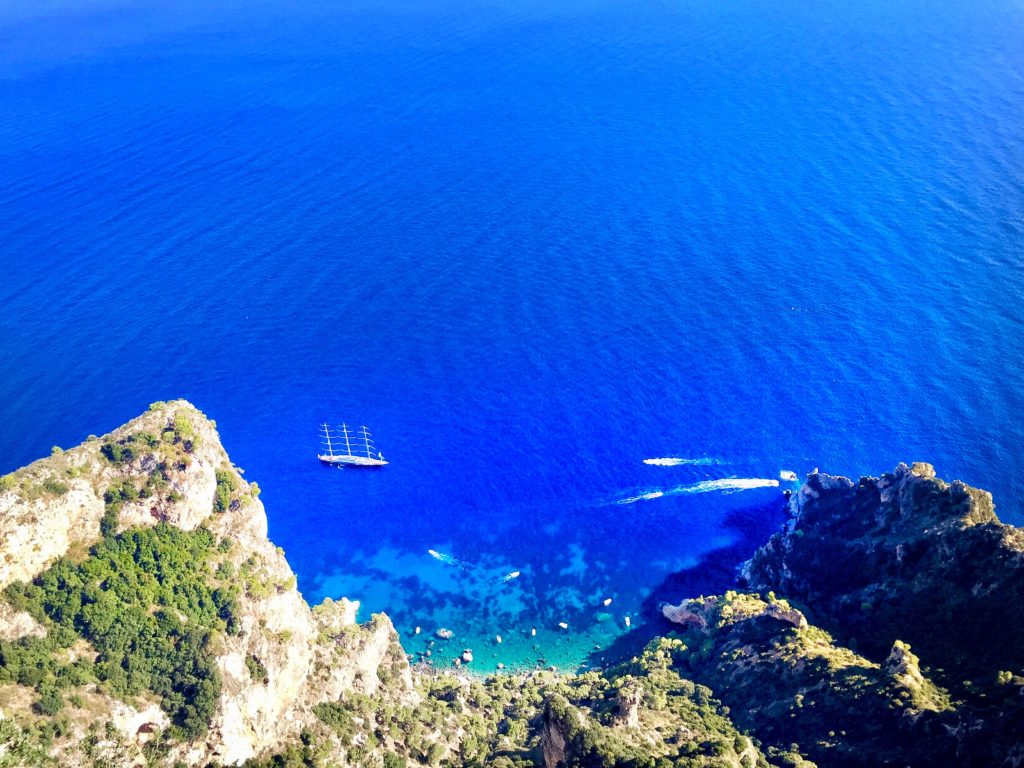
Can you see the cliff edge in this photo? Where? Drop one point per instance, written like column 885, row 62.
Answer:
column 903, row 556
column 259, row 660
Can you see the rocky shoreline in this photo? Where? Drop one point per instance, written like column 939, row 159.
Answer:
column 877, row 627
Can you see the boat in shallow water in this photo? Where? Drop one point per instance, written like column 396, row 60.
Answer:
column 359, row 450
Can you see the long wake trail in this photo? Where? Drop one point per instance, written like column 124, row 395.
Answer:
column 678, row 461
column 725, row 485
column 467, row 566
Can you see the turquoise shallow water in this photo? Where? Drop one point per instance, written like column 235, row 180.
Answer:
column 530, row 245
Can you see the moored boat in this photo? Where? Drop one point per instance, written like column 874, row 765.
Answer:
column 359, row 450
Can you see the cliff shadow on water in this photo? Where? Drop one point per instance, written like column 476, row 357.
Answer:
column 713, row 574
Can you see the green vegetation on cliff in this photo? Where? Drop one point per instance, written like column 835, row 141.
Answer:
column 20, row 750
column 641, row 714
column 788, row 681
column 146, row 602
column 905, row 556
column 909, row 559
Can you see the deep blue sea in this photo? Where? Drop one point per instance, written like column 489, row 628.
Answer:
column 530, row 244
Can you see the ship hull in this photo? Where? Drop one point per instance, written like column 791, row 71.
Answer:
column 351, row 461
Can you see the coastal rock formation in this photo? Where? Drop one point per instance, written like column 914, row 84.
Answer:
column 146, row 619
column 905, row 670
column 554, row 743
column 628, row 701
column 687, row 730
column 152, row 527
column 907, row 560
column 691, row 613
column 709, row 613
column 787, row 681
column 279, row 659
column 904, row 556
column 58, row 502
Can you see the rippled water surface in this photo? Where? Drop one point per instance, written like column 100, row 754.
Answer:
column 531, row 245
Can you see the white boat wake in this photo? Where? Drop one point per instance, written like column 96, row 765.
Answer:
column 448, row 559
column 642, row 497
column 725, row 485
column 728, row 484
column 469, row 567
column 676, row 461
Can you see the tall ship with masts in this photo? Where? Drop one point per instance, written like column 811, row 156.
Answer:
column 350, row 447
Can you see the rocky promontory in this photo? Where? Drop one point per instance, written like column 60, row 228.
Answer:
column 269, row 658
column 903, row 556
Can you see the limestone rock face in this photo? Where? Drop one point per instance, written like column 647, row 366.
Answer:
column 787, row 614
column 278, row 633
column 554, row 743
column 59, row 501
column 362, row 659
column 17, row 624
column 903, row 665
column 335, row 616
column 283, row 660
column 690, row 613
column 36, row 531
column 134, row 724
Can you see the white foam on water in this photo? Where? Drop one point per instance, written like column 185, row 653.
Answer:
column 788, row 476
column 724, row 485
column 675, row 461
column 642, row 497
column 448, row 559
column 727, row 484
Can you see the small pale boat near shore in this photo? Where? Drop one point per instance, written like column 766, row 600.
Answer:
column 357, row 445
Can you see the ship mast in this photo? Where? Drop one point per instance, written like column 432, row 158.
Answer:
column 366, row 439
column 327, row 434
column 348, row 445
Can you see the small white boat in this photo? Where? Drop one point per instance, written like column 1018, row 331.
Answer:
column 359, row 448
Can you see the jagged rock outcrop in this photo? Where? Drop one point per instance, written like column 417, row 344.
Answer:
column 903, row 556
column 280, row 660
column 903, row 666
column 788, row 681
column 627, row 703
column 691, row 613
column 711, row 613
column 554, row 743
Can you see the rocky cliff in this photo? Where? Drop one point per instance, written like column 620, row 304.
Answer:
column 279, row 659
column 877, row 566
column 146, row 619
column 787, row 681
column 903, row 556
